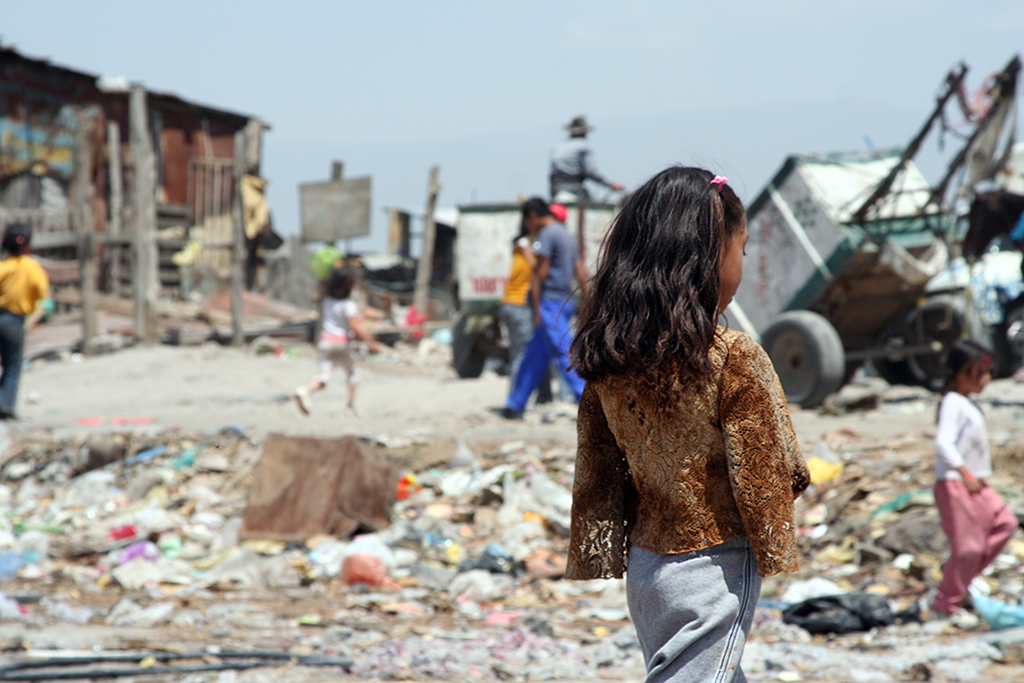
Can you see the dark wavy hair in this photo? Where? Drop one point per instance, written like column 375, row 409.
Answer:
column 340, row 282
column 966, row 354
column 656, row 291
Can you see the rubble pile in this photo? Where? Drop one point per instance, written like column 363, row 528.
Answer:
column 144, row 530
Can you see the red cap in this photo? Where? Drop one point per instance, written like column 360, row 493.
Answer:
column 559, row 212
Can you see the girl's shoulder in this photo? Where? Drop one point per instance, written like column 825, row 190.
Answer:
column 735, row 346
column 952, row 400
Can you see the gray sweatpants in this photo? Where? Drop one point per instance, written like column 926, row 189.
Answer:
column 693, row 611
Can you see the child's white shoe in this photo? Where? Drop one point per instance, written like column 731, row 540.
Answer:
column 302, row 399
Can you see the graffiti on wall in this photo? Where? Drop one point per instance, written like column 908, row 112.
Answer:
column 43, row 144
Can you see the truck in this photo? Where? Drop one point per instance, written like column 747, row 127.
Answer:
column 483, row 261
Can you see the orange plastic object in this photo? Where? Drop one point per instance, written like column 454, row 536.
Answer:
column 361, row 568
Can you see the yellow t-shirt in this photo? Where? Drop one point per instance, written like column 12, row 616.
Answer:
column 23, row 283
column 518, row 286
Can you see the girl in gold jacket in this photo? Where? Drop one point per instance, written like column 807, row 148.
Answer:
column 687, row 463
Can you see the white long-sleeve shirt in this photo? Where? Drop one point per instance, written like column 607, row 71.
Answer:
column 961, row 439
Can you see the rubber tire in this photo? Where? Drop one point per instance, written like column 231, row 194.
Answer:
column 1009, row 354
column 468, row 354
column 808, row 356
column 930, row 370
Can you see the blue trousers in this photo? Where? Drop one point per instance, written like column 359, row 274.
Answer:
column 12, row 348
column 519, row 323
column 550, row 341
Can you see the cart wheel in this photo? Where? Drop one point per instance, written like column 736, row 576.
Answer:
column 1009, row 339
column 807, row 354
column 468, row 354
column 940, row 321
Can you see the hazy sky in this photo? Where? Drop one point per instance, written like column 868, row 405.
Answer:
column 483, row 88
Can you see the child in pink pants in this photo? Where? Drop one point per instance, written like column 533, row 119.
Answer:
column 974, row 518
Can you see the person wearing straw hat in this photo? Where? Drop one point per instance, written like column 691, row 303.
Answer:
column 572, row 165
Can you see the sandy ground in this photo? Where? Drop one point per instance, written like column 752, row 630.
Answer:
column 404, row 392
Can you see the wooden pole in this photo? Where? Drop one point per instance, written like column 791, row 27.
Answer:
column 953, row 82
column 581, row 209
column 394, row 231
column 83, row 196
column 238, row 262
column 145, row 259
column 421, row 297
column 116, row 202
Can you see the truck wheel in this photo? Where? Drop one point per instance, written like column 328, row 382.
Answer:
column 939, row 322
column 468, row 354
column 1009, row 339
column 807, row 354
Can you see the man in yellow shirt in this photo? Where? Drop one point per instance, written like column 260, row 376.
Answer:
column 23, row 284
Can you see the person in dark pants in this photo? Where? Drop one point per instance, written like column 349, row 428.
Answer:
column 23, row 284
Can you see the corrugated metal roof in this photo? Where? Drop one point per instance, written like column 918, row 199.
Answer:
column 167, row 99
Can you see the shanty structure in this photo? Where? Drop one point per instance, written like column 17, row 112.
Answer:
column 147, row 193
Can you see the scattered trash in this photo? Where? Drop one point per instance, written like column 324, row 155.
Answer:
column 478, row 537
column 846, row 613
column 367, row 569
column 997, row 614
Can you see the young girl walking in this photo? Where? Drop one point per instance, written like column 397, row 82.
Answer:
column 341, row 323
column 687, row 464
column 974, row 518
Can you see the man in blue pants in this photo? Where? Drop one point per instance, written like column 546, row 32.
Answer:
column 558, row 264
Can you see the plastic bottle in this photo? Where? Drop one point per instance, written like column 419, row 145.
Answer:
column 10, row 563
column 443, row 548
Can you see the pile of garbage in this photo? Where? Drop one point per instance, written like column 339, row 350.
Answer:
column 146, row 530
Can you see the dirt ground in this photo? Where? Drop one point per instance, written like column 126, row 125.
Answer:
column 404, row 391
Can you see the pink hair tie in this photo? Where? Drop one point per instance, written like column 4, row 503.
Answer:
column 719, row 180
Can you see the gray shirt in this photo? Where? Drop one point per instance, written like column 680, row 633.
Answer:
column 554, row 243
column 571, row 165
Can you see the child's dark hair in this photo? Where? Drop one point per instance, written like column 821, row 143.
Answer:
column 17, row 237
column 655, row 295
column 340, row 282
column 966, row 354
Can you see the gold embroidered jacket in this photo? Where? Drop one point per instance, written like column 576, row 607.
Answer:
column 675, row 463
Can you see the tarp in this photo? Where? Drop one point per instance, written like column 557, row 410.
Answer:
column 305, row 486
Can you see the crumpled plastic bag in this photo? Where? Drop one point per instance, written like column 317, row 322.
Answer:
column 822, row 471
column 368, row 569
column 998, row 615
column 846, row 613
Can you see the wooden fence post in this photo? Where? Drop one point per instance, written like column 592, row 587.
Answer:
column 145, row 259
column 114, row 228
column 238, row 260
column 83, row 195
column 425, row 267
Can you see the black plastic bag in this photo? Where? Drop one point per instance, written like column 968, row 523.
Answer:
column 846, row 613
